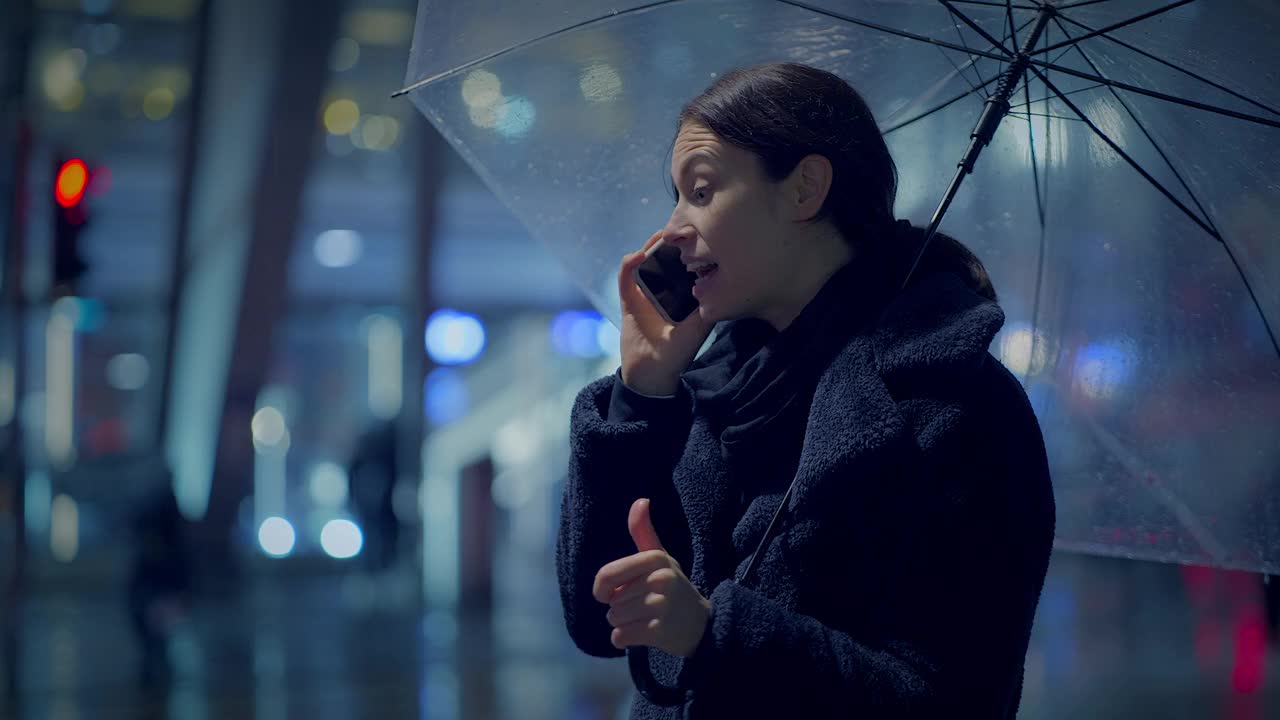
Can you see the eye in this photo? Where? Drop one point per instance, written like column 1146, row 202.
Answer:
column 702, row 194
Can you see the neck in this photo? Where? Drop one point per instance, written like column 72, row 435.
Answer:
column 807, row 282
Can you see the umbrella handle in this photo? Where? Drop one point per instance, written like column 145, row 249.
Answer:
column 642, row 676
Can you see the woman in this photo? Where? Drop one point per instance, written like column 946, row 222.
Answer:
column 905, row 576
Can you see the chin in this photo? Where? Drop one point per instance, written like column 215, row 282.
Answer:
column 713, row 313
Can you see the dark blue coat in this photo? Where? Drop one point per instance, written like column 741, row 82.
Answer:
column 904, row 581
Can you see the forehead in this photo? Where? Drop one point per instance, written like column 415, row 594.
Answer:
column 696, row 142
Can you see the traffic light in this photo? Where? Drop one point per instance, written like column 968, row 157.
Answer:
column 70, row 216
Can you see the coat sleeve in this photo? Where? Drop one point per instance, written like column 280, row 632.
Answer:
column 951, row 633
column 623, row 446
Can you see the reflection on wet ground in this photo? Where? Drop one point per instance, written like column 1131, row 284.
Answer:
column 1114, row 639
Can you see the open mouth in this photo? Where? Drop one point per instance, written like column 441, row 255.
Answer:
column 704, row 270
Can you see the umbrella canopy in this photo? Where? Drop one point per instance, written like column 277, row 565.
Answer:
column 1126, row 206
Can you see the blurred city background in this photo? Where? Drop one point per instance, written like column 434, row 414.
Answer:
column 284, row 396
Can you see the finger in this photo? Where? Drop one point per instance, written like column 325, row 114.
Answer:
column 631, row 261
column 649, row 605
column 694, row 325
column 641, row 526
column 630, row 591
column 659, row 581
column 653, row 239
column 641, row 632
column 633, row 299
column 627, row 569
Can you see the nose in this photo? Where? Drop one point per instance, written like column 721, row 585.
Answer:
column 677, row 233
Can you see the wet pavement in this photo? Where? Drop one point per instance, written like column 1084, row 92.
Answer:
column 1114, row 639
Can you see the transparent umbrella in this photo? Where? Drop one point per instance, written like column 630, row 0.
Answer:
column 1126, row 204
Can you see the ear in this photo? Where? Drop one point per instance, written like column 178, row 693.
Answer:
column 808, row 186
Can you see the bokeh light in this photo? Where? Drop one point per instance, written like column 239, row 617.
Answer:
column 128, row 371
column 276, row 537
column 444, row 396
column 379, row 132
column 1102, row 368
column 454, row 338
column 73, row 177
column 338, row 248
column 609, row 339
column 516, row 117
column 1023, row 351
column 158, row 103
column 60, row 79
column 327, row 485
column 104, row 38
column 341, row 116
column 379, row 26
column 600, row 83
column 341, row 539
column 345, row 55
column 481, row 88
column 577, row 333
column 268, row 426
column 64, row 528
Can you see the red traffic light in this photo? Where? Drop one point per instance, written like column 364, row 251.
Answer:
column 73, row 177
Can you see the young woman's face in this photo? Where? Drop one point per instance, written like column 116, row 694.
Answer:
column 727, row 226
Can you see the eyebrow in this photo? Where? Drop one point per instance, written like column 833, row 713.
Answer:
column 684, row 169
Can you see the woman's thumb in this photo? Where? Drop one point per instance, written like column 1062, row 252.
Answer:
column 641, row 526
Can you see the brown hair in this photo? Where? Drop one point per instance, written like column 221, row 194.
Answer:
column 783, row 112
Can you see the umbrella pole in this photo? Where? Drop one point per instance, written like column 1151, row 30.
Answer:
column 997, row 106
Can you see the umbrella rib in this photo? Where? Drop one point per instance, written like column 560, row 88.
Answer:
column 972, row 88
column 1163, row 155
column 1027, row 81
column 976, row 27
column 1133, row 163
column 1040, row 214
column 1041, row 63
column 1181, row 206
column 1082, row 3
column 1028, row 116
column 990, row 3
column 1136, row 467
column 1046, row 99
column 888, row 30
column 1158, row 95
column 472, row 63
column 972, row 61
column 1166, row 63
column 1008, row 12
column 1116, row 26
column 940, row 106
column 960, row 37
column 947, row 103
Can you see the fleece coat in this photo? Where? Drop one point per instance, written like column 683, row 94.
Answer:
column 905, row 576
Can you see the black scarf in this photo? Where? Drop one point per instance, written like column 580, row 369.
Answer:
column 755, row 379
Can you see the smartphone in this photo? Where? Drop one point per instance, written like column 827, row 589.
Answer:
column 665, row 281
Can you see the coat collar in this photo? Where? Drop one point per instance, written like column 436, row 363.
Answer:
column 938, row 328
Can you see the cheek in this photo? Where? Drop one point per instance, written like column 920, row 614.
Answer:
column 742, row 227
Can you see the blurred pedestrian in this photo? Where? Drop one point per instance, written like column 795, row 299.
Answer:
column 159, row 592
column 371, row 476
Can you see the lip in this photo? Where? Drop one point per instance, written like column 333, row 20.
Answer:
column 702, row 283
column 691, row 263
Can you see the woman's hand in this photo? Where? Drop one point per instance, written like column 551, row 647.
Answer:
column 654, row 352
column 651, row 602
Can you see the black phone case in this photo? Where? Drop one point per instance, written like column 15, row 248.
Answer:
column 668, row 285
